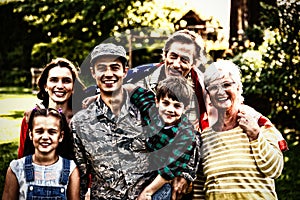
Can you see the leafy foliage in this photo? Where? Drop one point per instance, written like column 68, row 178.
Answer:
column 271, row 84
column 8, row 152
column 288, row 183
column 271, row 71
column 76, row 24
column 41, row 30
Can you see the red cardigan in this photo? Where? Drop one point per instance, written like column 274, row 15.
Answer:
column 23, row 132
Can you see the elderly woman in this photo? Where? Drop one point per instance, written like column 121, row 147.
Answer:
column 241, row 156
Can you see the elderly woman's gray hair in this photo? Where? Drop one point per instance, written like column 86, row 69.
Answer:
column 220, row 69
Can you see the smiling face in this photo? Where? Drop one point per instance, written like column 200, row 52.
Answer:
column 46, row 134
column 109, row 74
column 59, row 85
column 170, row 110
column 224, row 94
column 179, row 59
column 224, row 86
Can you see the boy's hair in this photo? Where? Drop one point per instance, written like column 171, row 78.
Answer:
column 65, row 148
column 176, row 88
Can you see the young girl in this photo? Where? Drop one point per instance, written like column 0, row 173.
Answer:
column 45, row 173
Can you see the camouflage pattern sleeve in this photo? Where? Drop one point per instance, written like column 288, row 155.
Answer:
column 82, row 161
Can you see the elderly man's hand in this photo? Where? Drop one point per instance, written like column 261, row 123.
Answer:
column 179, row 187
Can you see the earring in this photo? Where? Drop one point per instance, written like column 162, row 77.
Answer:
column 30, row 135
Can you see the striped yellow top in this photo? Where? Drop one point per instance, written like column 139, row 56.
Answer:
column 238, row 169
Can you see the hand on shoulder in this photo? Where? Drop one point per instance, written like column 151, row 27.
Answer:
column 129, row 87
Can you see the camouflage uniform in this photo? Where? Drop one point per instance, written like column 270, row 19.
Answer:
column 110, row 148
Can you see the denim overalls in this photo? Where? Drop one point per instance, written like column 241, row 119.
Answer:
column 36, row 192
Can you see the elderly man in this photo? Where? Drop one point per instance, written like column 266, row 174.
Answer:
column 183, row 55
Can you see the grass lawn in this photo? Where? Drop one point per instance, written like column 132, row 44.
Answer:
column 12, row 107
column 13, row 103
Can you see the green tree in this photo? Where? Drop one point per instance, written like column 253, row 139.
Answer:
column 271, row 83
column 16, row 44
column 34, row 31
column 281, row 81
column 73, row 28
column 273, row 75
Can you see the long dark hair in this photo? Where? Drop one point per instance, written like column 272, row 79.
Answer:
column 65, row 148
column 42, row 81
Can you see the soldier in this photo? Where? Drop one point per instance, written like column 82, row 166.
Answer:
column 108, row 136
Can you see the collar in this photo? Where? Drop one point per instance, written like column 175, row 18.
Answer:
column 103, row 111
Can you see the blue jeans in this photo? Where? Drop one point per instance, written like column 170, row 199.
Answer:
column 164, row 193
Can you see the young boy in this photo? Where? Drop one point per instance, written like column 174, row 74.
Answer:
column 171, row 138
